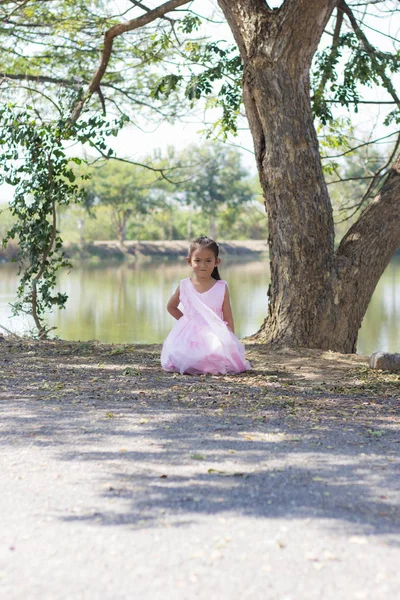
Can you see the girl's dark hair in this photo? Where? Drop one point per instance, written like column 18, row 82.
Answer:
column 205, row 242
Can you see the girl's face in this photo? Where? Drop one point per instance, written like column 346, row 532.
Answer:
column 203, row 262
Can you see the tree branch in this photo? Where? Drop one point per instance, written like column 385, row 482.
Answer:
column 71, row 82
column 343, row 179
column 161, row 171
column 361, row 146
column 368, row 47
column 147, row 9
column 375, row 180
column 29, row 89
column 109, row 37
column 334, row 49
column 373, row 239
column 102, row 101
column 361, row 101
column 254, row 24
column 16, row 9
column 247, row 19
column 306, row 22
column 369, row 2
column 41, row 79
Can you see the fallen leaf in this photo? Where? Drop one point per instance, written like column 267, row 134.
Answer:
column 227, row 473
column 197, row 456
column 376, row 433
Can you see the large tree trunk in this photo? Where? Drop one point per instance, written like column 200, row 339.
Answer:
column 317, row 297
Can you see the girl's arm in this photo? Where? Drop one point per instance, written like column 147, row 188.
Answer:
column 172, row 306
column 227, row 311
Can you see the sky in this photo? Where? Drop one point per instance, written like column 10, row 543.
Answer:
column 136, row 143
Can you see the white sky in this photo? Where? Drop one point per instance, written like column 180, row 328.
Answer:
column 135, row 143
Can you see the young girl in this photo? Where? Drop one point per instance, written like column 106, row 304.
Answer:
column 203, row 339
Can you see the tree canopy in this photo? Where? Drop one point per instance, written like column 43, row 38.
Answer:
column 148, row 51
column 126, row 189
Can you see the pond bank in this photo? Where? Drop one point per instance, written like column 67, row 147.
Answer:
column 131, row 250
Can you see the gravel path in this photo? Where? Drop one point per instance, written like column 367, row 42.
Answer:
column 119, row 481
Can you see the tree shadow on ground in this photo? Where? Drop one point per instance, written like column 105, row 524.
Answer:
column 273, row 443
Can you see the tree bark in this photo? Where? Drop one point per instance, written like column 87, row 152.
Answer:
column 317, row 298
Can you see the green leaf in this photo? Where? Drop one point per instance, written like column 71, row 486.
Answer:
column 198, row 456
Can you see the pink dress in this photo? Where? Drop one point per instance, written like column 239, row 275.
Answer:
column 200, row 341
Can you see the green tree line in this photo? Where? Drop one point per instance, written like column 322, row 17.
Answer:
column 208, row 190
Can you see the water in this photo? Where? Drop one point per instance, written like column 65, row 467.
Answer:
column 118, row 304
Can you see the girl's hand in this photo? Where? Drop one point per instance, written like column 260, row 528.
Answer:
column 172, row 306
column 227, row 311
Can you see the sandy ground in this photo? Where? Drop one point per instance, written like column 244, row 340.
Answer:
column 120, row 481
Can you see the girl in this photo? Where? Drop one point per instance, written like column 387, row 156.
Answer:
column 203, row 339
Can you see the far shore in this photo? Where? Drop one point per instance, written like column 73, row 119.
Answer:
column 131, row 250
column 112, row 250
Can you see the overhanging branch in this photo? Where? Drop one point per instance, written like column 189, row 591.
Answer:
column 109, row 37
column 147, row 9
column 246, row 19
column 334, row 49
column 376, row 178
column 303, row 24
column 375, row 236
column 373, row 53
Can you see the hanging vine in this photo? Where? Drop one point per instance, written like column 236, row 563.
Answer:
column 34, row 160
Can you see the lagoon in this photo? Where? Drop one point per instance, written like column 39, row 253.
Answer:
column 125, row 303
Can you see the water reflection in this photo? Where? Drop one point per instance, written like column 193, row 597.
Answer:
column 381, row 326
column 127, row 303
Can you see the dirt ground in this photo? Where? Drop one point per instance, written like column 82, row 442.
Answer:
column 294, row 381
column 278, row 483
